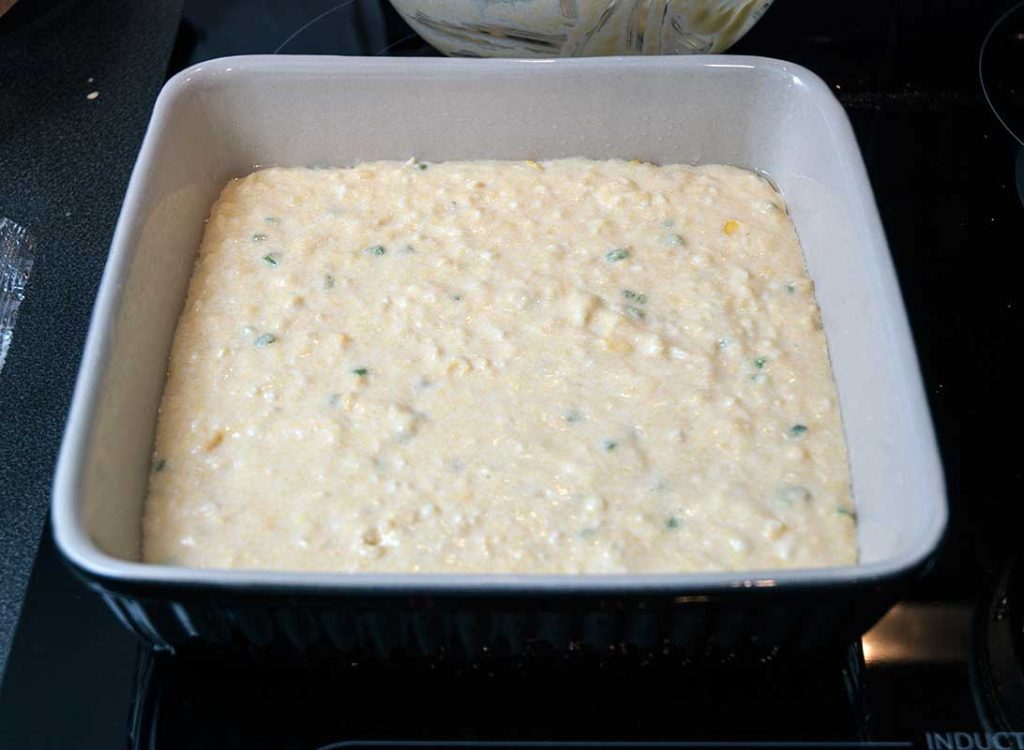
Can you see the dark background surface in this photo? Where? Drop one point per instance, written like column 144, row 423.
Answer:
column 943, row 172
column 64, row 165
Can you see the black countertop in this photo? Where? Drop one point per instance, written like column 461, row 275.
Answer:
column 943, row 173
column 65, row 160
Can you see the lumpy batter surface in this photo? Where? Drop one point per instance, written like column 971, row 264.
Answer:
column 569, row 366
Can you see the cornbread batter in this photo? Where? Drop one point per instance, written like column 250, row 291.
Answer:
column 568, row 366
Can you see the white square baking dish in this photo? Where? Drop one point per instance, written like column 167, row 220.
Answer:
column 225, row 118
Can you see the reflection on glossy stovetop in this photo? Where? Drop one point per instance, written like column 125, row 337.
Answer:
column 943, row 171
column 870, row 693
column 578, row 698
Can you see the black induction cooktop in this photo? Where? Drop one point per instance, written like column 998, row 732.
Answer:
column 941, row 670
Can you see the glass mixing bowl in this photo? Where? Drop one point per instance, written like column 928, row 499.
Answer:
column 579, row 28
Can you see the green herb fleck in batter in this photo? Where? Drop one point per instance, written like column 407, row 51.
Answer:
column 610, row 445
column 637, row 297
column 259, row 238
column 160, row 464
column 722, row 343
column 421, row 166
column 271, row 259
column 271, row 219
column 635, row 312
column 846, row 512
column 573, row 416
column 361, row 372
column 265, row 340
column 328, row 281
column 674, row 240
column 673, row 522
column 760, row 362
column 792, row 493
column 797, row 430
column 790, row 287
column 614, row 256
column 376, row 250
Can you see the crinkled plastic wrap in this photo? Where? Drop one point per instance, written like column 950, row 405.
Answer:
column 17, row 249
column 580, row 28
